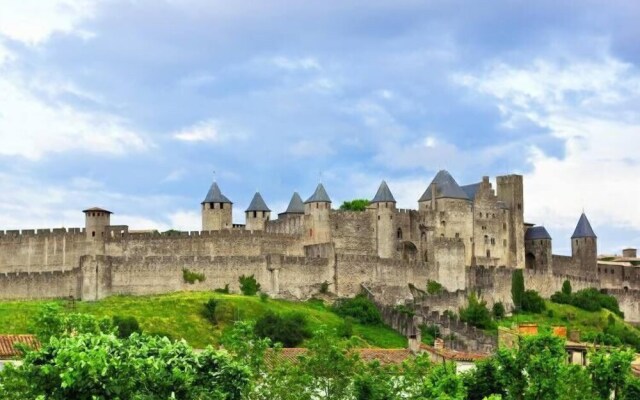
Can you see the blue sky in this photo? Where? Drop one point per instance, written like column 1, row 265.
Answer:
column 131, row 105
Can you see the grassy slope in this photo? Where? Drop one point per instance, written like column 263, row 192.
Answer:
column 564, row 315
column 178, row 314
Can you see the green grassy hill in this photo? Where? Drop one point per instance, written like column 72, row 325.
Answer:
column 179, row 315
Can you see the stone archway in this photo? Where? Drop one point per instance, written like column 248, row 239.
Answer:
column 530, row 261
column 408, row 250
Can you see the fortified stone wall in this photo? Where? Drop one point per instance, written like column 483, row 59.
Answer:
column 353, row 232
column 42, row 249
column 290, row 224
column 40, row 285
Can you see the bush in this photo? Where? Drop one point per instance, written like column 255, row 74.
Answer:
column 290, row 330
column 403, row 309
column 498, row 310
column 532, row 302
column 359, row 308
column 434, row 287
column 209, row 311
column 476, row 313
column 224, row 290
column 324, row 287
column 588, row 299
column 226, row 312
column 264, row 297
column 450, row 314
column 125, row 326
column 355, row 205
column 191, row 277
column 345, row 330
column 429, row 333
column 517, row 288
column 248, row 285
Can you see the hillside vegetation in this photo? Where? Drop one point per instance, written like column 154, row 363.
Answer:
column 180, row 315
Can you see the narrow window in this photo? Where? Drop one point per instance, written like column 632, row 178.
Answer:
column 93, row 234
column 443, row 223
column 255, row 214
column 457, row 235
column 399, row 233
column 488, row 253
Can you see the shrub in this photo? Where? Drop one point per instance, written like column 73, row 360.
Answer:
column 264, row 297
column 532, row 302
column 345, row 330
column 191, row 277
column 248, row 285
column 359, row 308
column 290, row 330
column 324, row 287
column 561, row 298
column 450, row 314
column 589, row 299
column 125, row 326
column 355, row 205
column 209, row 311
column 224, row 290
column 434, row 287
column 226, row 312
column 476, row 313
column 550, row 313
column 566, row 287
column 429, row 333
column 498, row 310
column 517, row 288
column 403, row 309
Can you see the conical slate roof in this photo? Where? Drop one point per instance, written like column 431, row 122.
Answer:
column 215, row 195
column 319, row 196
column 537, row 233
column 257, row 203
column 583, row 229
column 296, row 206
column 446, row 187
column 384, row 194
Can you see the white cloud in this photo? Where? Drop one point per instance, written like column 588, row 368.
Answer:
column 34, row 21
column 589, row 105
column 185, row 220
column 310, row 148
column 31, row 127
column 296, row 64
column 207, row 131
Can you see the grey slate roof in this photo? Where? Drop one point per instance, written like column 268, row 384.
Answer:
column 583, row 229
column 215, row 195
column 296, row 206
column 471, row 190
column 257, row 203
column 536, row 233
column 319, row 196
column 383, row 195
column 446, row 187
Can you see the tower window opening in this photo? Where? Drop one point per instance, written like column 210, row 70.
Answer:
column 255, row 214
column 457, row 235
column 519, row 206
column 378, row 218
column 486, row 239
column 93, row 234
column 504, row 226
column 399, row 233
column 488, row 253
column 493, row 241
column 443, row 223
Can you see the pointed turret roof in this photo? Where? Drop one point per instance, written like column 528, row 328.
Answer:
column 537, row 233
column 383, row 195
column 296, row 206
column 583, row 229
column 257, row 203
column 446, row 187
column 319, row 196
column 215, row 195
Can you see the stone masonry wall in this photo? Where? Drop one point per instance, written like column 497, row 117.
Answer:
column 40, row 285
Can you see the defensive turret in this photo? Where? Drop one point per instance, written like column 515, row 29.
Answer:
column 584, row 246
column 257, row 214
column 384, row 205
column 96, row 222
column 216, row 210
column 316, row 210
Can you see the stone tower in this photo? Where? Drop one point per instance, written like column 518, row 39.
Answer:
column 584, row 247
column 216, row 210
column 511, row 193
column 257, row 214
column 538, row 249
column 384, row 205
column 316, row 210
column 96, row 220
column 446, row 208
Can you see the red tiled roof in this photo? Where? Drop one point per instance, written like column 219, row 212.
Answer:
column 635, row 369
column 7, row 342
column 454, row 355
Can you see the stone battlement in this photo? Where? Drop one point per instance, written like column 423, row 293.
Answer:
column 41, row 232
column 199, row 234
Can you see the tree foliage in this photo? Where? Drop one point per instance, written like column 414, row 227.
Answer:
column 126, row 325
column 355, row 205
column 476, row 313
column 517, row 288
column 288, row 329
column 589, row 299
column 248, row 285
column 532, row 302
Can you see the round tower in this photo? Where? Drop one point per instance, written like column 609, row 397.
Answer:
column 216, row 210
column 96, row 221
column 257, row 214
column 316, row 210
column 384, row 205
column 584, row 247
column 538, row 249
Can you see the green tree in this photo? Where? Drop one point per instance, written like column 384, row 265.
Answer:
column 359, row 308
column 126, row 325
column 532, row 302
column 483, row 380
column 498, row 310
column 288, row 329
column 566, row 287
column 355, row 205
column 51, row 321
column 476, row 313
column 517, row 288
column 609, row 372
